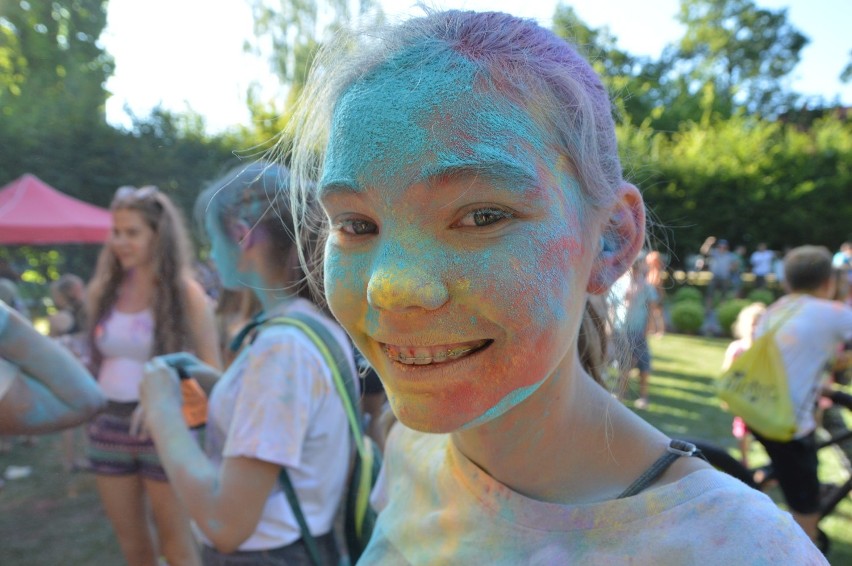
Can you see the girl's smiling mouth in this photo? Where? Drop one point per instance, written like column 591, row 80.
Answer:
column 420, row 356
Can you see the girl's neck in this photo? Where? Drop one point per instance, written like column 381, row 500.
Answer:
column 273, row 298
column 136, row 292
column 570, row 442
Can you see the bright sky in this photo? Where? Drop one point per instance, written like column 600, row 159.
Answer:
column 189, row 53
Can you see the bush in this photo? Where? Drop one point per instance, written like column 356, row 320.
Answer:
column 688, row 294
column 764, row 296
column 687, row 316
column 727, row 312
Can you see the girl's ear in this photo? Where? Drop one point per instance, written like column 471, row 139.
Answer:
column 621, row 240
column 240, row 233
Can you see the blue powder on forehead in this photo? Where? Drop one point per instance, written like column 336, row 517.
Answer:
column 417, row 116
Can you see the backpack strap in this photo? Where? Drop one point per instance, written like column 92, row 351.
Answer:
column 293, row 499
column 675, row 450
column 344, row 382
column 779, row 322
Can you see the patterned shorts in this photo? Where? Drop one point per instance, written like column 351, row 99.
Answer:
column 113, row 451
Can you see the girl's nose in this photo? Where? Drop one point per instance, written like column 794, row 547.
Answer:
column 400, row 285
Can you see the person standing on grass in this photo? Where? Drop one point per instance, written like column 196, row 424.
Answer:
column 743, row 331
column 812, row 328
column 474, row 213
column 723, row 267
column 634, row 299
column 143, row 301
column 761, row 264
column 656, row 271
column 275, row 406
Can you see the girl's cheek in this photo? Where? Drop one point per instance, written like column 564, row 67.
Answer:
column 345, row 284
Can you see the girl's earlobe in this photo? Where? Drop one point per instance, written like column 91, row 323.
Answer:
column 621, row 240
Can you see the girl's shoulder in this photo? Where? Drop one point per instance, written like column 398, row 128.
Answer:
column 272, row 336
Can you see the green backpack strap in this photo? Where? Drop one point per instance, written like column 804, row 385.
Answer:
column 344, row 382
column 337, row 361
column 293, row 499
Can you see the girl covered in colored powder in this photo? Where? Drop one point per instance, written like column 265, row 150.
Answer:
column 275, row 406
column 475, row 210
column 143, row 302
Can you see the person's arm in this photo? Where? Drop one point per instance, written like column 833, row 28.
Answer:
column 202, row 324
column 225, row 503
column 52, row 390
column 708, row 243
column 280, row 388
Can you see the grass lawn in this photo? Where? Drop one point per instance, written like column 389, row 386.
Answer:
column 683, row 404
column 53, row 517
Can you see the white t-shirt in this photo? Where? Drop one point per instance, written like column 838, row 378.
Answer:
column 808, row 341
column 761, row 262
column 437, row 507
column 277, row 403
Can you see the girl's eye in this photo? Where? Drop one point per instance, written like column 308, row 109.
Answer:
column 484, row 217
column 356, row 227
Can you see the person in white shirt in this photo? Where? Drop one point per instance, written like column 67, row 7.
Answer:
column 808, row 339
column 761, row 264
column 274, row 407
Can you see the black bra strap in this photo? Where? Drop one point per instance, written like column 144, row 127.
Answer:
column 674, row 450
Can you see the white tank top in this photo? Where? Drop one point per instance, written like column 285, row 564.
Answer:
column 125, row 341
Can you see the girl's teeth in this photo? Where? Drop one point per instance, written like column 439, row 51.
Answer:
column 422, row 357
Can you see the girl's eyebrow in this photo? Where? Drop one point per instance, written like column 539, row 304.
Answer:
column 497, row 172
column 341, row 187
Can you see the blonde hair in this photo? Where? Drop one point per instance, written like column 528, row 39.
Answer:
column 743, row 327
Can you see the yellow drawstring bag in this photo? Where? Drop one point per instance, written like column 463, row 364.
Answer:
column 755, row 388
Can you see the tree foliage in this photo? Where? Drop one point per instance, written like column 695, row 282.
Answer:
column 709, row 129
column 743, row 50
column 700, row 132
column 52, row 67
column 290, row 32
column 52, row 124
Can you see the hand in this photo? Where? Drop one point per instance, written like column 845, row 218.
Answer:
column 158, row 392
column 187, row 361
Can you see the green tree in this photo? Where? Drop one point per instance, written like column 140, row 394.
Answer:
column 632, row 81
column 52, row 68
column 744, row 51
column 290, row 32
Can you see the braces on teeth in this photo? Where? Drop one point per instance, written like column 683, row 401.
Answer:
column 450, row 354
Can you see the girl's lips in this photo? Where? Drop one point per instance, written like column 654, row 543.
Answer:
column 421, row 356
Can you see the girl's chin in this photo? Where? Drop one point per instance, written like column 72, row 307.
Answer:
column 430, row 421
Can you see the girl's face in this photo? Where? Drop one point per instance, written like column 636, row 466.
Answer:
column 224, row 252
column 132, row 239
column 459, row 254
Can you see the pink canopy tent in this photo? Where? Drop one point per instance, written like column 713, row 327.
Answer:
column 33, row 212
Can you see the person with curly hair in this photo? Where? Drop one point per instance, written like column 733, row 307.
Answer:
column 143, row 302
